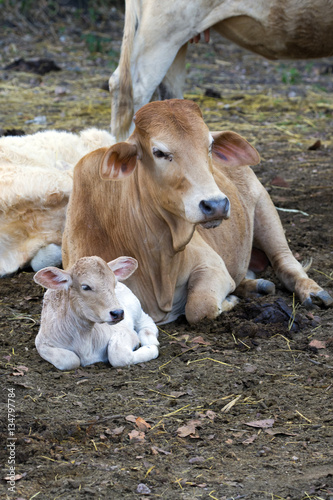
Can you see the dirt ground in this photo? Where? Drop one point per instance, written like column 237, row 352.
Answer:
column 237, row 408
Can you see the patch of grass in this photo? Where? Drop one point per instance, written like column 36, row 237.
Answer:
column 291, row 76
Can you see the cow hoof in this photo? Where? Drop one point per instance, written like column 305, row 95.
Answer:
column 229, row 303
column 322, row 298
column 265, row 287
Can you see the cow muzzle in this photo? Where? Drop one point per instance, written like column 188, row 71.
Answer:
column 214, row 211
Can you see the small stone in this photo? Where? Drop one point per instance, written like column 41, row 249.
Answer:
column 143, row 489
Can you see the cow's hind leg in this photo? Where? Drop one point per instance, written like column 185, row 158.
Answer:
column 269, row 237
column 172, row 85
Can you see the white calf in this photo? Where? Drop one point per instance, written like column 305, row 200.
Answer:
column 36, row 179
column 88, row 316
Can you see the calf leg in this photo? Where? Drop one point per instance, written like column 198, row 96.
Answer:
column 121, row 349
column 269, row 237
column 63, row 359
column 148, row 337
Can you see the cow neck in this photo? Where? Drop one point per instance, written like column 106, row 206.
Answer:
column 165, row 236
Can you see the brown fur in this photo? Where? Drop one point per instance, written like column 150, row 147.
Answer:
column 152, row 215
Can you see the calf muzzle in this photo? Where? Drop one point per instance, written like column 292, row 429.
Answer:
column 116, row 315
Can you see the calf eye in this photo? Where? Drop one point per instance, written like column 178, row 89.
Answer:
column 85, row 287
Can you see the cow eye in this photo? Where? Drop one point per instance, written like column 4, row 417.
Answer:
column 85, row 287
column 158, row 153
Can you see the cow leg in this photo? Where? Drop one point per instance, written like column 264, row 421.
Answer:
column 253, row 286
column 63, row 359
column 209, row 284
column 269, row 237
column 173, row 83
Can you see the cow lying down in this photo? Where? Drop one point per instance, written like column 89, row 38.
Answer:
column 36, row 177
column 89, row 316
column 183, row 201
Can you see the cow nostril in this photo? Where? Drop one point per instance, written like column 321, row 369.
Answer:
column 216, row 207
column 206, row 207
column 117, row 314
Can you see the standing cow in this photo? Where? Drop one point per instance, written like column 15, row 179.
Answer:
column 161, row 196
column 156, row 33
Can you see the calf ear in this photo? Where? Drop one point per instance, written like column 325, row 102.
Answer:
column 119, row 161
column 54, row 278
column 123, row 267
column 232, row 149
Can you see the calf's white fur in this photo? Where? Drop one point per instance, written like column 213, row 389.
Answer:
column 89, row 316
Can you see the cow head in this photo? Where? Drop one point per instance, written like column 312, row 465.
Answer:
column 176, row 152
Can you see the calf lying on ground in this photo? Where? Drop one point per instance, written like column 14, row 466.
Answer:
column 36, row 177
column 88, row 316
column 185, row 204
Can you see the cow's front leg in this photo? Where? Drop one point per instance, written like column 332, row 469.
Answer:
column 269, row 237
column 209, row 284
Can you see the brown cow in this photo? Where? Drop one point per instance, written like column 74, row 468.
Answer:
column 184, row 180
column 156, row 33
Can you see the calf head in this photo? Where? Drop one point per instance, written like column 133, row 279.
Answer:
column 176, row 152
column 90, row 286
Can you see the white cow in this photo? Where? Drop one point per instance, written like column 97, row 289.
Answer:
column 36, row 179
column 156, row 33
column 88, row 316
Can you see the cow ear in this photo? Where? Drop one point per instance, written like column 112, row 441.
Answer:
column 54, row 278
column 123, row 267
column 119, row 161
column 232, row 149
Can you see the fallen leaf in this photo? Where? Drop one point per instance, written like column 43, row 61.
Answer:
column 250, row 439
column 177, row 394
column 196, row 460
column 142, row 425
column 189, row 429
column 279, row 181
column 262, row 424
column 315, row 146
column 17, row 477
column 131, row 418
column 274, row 432
column 115, row 432
column 136, row 435
column 156, row 450
column 200, row 340
column 20, row 370
column 318, row 344
column 210, row 414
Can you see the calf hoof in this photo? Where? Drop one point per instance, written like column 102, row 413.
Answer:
column 321, row 298
column 265, row 287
